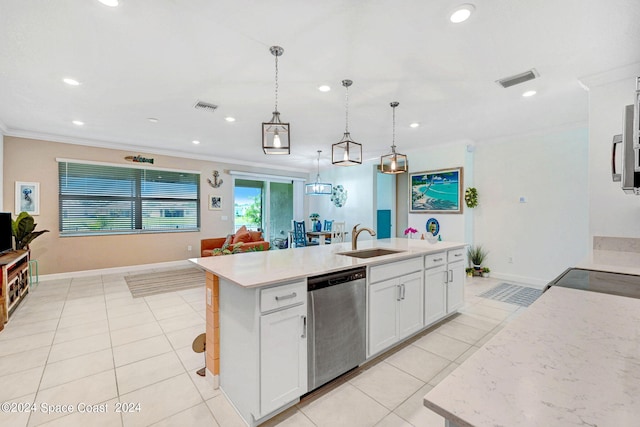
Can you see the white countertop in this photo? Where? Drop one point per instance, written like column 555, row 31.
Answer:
column 572, row 358
column 253, row 269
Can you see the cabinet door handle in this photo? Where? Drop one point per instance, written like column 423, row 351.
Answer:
column 446, row 276
column 403, row 291
column 450, row 278
column 457, row 255
column 304, row 327
column 437, row 259
column 291, row 295
column 399, row 297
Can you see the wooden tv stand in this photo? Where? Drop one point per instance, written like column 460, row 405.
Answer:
column 15, row 282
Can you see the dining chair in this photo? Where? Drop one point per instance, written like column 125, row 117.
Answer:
column 300, row 235
column 327, row 224
column 338, row 231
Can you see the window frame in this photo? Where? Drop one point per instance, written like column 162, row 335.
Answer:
column 136, row 201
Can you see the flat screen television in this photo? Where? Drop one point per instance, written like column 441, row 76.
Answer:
column 6, row 235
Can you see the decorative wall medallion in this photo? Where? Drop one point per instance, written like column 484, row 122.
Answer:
column 339, row 196
column 216, row 182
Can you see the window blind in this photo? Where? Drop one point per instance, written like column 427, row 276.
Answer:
column 101, row 199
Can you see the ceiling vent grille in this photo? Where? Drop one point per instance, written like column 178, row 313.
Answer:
column 205, row 106
column 518, row 78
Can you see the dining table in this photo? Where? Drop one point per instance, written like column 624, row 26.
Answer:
column 322, row 236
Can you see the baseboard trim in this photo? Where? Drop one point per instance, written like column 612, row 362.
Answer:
column 113, row 270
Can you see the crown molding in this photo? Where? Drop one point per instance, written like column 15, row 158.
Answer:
column 630, row 71
column 89, row 142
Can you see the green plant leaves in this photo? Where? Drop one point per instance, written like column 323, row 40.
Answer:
column 23, row 230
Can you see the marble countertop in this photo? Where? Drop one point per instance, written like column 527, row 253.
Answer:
column 572, row 358
column 615, row 261
column 254, row 269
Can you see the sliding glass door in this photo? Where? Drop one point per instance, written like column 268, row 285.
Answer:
column 265, row 204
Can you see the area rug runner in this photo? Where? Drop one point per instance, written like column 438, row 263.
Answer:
column 143, row 285
column 513, row 294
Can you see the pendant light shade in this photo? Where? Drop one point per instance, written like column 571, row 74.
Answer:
column 276, row 134
column 318, row 188
column 346, row 152
column 394, row 163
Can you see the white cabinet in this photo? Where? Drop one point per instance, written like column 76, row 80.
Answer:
column 263, row 347
column 395, row 310
column 455, row 285
column 283, row 357
column 435, row 294
column 443, row 284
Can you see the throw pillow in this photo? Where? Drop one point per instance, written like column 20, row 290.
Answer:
column 243, row 237
column 227, row 242
column 256, row 236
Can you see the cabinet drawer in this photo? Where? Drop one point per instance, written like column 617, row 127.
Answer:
column 455, row 255
column 435, row 260
column 282, row 296
column 394, row 269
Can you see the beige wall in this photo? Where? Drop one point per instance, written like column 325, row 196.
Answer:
column 34, row 160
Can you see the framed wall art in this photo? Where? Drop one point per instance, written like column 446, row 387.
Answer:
column 27, row 197
column 437, row 191
column 215, row 202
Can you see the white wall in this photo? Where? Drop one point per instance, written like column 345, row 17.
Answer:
column 612, row 212
column 360, row 206
column 452, row 226
column 549, row 232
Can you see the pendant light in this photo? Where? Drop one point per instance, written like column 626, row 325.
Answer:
column 347, row 152
column 394, row 162
column 275, row 134
column 318, row 188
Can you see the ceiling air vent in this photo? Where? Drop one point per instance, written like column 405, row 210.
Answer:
column 518, row 78
column 205, row 106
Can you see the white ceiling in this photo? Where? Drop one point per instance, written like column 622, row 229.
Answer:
column 156, row 58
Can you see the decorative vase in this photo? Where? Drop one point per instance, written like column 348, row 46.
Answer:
column 318, row 226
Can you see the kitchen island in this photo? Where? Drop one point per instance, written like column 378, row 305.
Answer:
column 257, row 311
column 572, row 358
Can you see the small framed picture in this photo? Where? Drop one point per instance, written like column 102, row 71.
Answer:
column 215, row 202
column 27, row 197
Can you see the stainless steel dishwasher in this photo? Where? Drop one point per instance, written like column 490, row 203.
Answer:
column 336, row 324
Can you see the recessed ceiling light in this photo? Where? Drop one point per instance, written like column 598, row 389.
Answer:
column 230, row 119
column 110, row 3
column 71, row 82
column 529, row 93
column 153, row 120
column 77, row 123
column 195, row 141
column 414, row 125
column 324, row 88
column 461, row 13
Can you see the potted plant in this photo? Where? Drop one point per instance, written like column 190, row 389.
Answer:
column 476, row 255
column 469, row 271
column 315, row 220
column 23, row 229
column 486, row 271
column 471, row 197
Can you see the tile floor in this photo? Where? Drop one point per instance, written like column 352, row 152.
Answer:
column 86, row 340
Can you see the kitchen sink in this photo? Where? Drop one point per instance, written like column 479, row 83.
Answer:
column 370, row 253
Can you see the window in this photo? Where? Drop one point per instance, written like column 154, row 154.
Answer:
column 104, row 199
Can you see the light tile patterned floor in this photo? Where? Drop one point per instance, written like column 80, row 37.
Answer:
column 87, row 340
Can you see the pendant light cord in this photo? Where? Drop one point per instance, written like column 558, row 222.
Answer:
column 318, row 174
column 393, row 138
column 276, row 83
column 346, row 104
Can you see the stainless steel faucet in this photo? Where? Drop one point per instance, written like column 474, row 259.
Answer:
column 354, row 235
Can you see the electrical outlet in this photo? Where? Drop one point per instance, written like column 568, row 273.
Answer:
column 189, row 248
column 224, row 218
column 510, row 260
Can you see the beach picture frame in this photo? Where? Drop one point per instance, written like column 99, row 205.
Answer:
column 27, row 197
column 436, row 191
column 215, row 202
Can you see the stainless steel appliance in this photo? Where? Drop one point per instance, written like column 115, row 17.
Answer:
column 626, row 285
column 336, row 324
column 629, row 141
